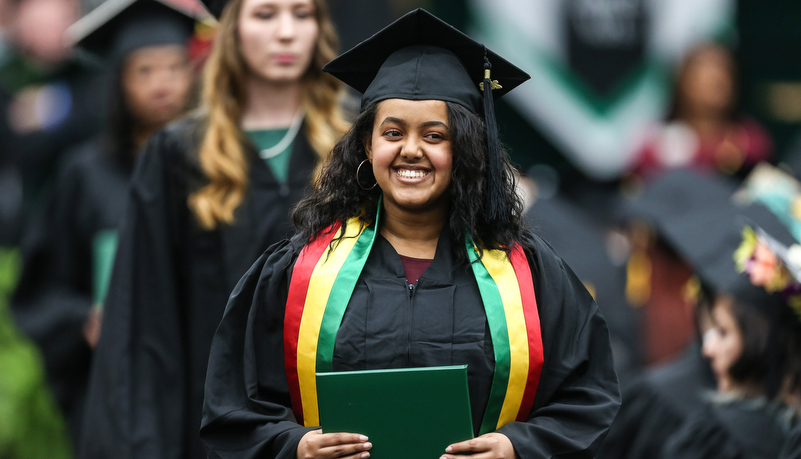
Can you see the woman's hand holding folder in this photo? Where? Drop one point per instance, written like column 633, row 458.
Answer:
column 490, row 446
column 317, row 445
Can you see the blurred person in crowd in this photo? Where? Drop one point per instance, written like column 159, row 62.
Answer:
column 754, row 347
column 695, row 216
column 208, row 195
column 655, row 272
column 68, row 253
column 49, row 102
column 657, row 221
column 595, row 256
column 704, row 128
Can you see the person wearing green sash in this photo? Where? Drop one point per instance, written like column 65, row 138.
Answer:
column 411, row 252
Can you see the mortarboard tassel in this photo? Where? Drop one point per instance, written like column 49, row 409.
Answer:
column 496, row 199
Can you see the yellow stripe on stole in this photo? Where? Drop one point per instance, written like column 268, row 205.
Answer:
column 500, row 268
column 322, row 280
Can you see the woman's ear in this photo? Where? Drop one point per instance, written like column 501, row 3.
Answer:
column 367, row 151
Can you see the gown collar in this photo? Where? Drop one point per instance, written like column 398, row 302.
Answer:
column 441, row 268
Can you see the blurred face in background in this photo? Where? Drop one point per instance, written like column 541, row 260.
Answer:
column 38, row 27
column 707, row 82
column 723, row 342
column 278, row 38
column 156, row 81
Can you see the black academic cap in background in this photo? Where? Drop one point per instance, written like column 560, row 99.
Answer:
column 690, row 211
column 117, row 27
column 695, row 215
column 421, row 57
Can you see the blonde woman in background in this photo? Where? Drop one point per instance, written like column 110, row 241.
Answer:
column 209, row 195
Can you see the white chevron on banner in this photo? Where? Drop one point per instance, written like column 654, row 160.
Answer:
column 600, row 134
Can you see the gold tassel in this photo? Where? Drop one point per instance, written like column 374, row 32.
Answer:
column 638, row 278
column 493, row 83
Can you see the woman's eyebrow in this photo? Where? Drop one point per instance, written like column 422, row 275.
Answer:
column 428, row 124
column 392, row 119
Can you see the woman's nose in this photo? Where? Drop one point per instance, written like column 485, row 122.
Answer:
column 286, row 26
column 412, row 148
column 709, row 341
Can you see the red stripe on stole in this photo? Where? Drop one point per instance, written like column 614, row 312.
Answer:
column 535, row 351
column 295, row 302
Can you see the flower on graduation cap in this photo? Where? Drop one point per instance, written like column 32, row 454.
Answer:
column 757, row 257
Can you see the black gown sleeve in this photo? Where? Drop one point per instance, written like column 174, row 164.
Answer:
column 137, row 392
column 246, row 368
column 578, row 395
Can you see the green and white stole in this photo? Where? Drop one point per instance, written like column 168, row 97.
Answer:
column 322, row 283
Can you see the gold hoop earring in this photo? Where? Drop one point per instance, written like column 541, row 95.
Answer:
column 358, row 169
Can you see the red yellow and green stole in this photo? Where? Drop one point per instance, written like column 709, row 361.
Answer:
column 322, row 283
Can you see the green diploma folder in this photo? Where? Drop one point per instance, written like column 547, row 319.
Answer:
column 406, row 413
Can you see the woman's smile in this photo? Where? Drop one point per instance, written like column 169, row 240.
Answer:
column 412, row 174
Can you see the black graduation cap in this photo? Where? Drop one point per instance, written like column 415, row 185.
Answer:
column 421, row 57
column 118, row 27
column 695, row 215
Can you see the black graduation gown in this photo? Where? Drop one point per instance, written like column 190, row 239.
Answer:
column 169, row 287
column 246, row 410
column 54, row 296
column 740, row 429
column 656, row 404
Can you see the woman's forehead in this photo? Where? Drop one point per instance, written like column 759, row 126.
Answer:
column 417, row 109
column 279, row 3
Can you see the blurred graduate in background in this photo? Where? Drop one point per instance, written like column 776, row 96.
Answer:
column 596, row 258
column 68, row 253
column 49, row 103
column 727, row 396
column 705, row 128
column 754, row 348
column 209, row 193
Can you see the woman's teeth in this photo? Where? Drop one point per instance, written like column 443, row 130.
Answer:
column 406, row 173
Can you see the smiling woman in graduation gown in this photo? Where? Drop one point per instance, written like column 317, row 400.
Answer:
column 342, row 297
column 248, row 406
column 203, row 205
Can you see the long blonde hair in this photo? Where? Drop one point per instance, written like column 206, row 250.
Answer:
column 222, row 153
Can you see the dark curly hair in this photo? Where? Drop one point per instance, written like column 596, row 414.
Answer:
column 338, row 197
